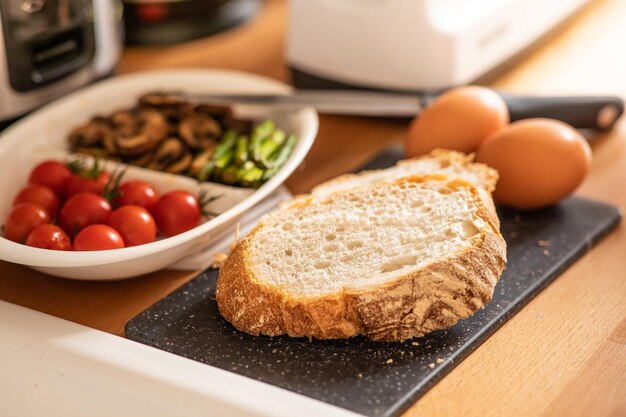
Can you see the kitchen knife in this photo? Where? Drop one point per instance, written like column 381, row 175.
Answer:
column 598, row 112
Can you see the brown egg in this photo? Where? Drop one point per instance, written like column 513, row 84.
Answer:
column 459, row 119
column 540, row 161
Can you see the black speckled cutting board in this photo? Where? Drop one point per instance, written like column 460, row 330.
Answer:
column 377, row 379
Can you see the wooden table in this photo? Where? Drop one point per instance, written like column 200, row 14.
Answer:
column 563, row 354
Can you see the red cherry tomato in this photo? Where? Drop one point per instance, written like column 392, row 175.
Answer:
column 49, row 236
column 134, row 223
column 137, row 193
column 40, row 195
column 79, row 183
column 82, row 210
column 98, row 237
column 22, row 220
column 52, row 174
column 176, row 212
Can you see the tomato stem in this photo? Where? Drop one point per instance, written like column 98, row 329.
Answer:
column 112, row 187
column 203, row 200
column 78, row 167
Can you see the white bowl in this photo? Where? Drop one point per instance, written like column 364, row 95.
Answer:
column 43, row 135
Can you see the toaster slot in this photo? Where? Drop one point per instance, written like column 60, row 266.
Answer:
column 53, row 57
column 48, row 54
column 48, row 43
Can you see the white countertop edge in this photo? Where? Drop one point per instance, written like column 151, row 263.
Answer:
column 53, row 367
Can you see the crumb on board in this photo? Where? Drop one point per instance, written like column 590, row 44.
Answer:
column 218, row 260
column 439, row 361
column 546, row 252
column 543, row 243
column 431, row 365
column 360, row 375
column 389, row 361
column 415, row 344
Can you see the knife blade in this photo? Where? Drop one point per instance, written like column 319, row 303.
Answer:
column 596, row 112
column 343, row 102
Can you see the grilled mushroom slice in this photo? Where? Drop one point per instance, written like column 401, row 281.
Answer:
column 200, row 161
column 142, row 161
column 168, row 152
column 221, row 113
column 180, row 165
column 124, row 122
column 148, row 128
column 95, row 134
column 171, row 156
column 199, row 131
column 172, row 105
column 160, row 100
column 153, row 123
column 135, row 145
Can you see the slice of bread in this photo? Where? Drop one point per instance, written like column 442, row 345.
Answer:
column 439, row 161
column 390, row 261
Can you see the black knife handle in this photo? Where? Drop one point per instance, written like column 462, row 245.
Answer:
column 593, row 112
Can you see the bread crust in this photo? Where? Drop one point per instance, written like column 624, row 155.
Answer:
column 434, row 297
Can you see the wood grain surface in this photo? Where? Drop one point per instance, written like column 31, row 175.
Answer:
column 564, row 354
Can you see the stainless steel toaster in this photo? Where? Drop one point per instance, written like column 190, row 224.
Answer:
column 50, row 47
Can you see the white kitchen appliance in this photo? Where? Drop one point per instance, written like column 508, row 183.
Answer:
column 50, row 47
column 412, row 44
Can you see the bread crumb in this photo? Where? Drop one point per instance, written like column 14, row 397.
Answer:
column 415, row 344
column 218, row 260
column 389, row 361
column 546, row 252
column 431, row 365
column 360, row 375
column 543, row 243
column 439, row 360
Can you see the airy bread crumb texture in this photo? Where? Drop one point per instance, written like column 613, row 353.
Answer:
column 363, row 237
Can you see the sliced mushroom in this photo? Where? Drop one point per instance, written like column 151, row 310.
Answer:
column 169, row 151
column 132, row 122
column 141, row 133
column 135, row 145
column 199, row 131
column 200, row 161
column 221, row 113
column 153, row 123
column 124, row 122
column 97, row 133
column 159, row 99
column 180, row 165
column 142, row 161
column 208, row 143
column 171, row 105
